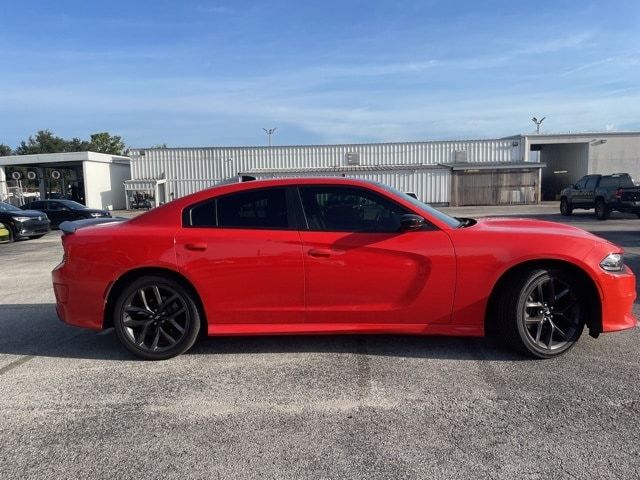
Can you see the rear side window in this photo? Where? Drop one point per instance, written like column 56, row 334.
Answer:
column 349, row 209
column 608, row 182
column 263, row 209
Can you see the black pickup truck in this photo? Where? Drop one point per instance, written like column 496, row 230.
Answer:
column 602, row 192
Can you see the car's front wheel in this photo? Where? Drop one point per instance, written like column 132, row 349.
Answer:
column 542, row 312
column 156, row 318
column 565, row 207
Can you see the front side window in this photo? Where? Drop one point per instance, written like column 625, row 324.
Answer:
column 349, row 209
column 252, row 209
column 581, row 183
column 591, row 183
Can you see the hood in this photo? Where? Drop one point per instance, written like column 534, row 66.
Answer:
column 29, row 213
column 536, row 227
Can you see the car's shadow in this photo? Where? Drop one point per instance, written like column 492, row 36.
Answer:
column 33, row 329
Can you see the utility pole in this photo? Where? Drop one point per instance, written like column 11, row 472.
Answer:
column 269, row 132
column 538, row 123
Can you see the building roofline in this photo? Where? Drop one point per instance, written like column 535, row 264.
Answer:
column 44, row 158
column 324, row 145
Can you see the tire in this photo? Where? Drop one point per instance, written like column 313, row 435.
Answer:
column 565, row 207
column 541, row 312
column 602, row 210
column 156, row 318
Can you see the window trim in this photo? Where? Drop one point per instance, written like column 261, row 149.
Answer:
column 291, row 218
column 428, row 226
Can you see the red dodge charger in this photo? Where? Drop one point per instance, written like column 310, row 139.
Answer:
column 332, row 255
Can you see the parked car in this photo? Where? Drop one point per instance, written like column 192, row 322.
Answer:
column 602, row 192
column 23, row 223
column 320, row 255
column 60, row 211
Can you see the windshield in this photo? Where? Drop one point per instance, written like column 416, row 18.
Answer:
column 428, row 209
column 7, row 207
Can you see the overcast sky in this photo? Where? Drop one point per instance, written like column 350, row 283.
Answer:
column 198, row 73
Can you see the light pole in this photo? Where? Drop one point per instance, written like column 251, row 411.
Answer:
column 538, row 123
column 269, row 132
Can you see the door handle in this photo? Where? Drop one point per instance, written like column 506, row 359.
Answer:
column 320, row 252
column 199, row 247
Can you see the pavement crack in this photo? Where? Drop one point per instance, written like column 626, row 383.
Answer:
column 16, row 363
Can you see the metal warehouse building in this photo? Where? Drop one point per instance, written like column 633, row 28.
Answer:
column 516, row 169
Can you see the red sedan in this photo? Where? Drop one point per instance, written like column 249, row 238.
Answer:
column 320, row 255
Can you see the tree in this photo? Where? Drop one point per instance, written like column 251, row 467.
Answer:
column 77, row 145
column 5, row 150
column 103, row 142
column 43, row 142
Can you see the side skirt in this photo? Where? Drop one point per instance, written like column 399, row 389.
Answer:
column 346, row 328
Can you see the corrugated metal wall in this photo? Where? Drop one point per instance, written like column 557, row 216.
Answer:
column 431, row 185
column 191, row 169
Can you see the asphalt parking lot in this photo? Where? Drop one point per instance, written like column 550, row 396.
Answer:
column 74, row 404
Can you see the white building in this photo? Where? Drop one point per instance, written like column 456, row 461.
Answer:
column 94, row 179
column 517, row 169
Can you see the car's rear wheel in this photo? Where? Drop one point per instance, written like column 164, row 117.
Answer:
column 156, row 318
column 542, row 312
column 602, row 210
column 565, row 207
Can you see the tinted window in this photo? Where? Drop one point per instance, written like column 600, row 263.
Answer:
column 591, row 183
column 428, row 209
column 607, row 182
column 581, row 183
column 349, row 209
column 253, row 209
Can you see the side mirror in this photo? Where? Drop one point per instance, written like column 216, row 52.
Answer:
column 411, row 222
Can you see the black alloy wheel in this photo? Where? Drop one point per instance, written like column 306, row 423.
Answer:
column 602, row 211
column 565, row 207
column 156, row 318
column 542, row 312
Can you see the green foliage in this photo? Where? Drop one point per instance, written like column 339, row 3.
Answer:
column 44, row 141
column 103, row 142
column 5, row 150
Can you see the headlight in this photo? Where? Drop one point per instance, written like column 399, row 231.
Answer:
column 95, row 214
column 614, row 262
column 21, row 219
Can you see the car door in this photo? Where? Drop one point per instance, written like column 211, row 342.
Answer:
column 359, row 268
column 588, row 195
column 243, row 253
column 54, row 211
column 578, row 197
